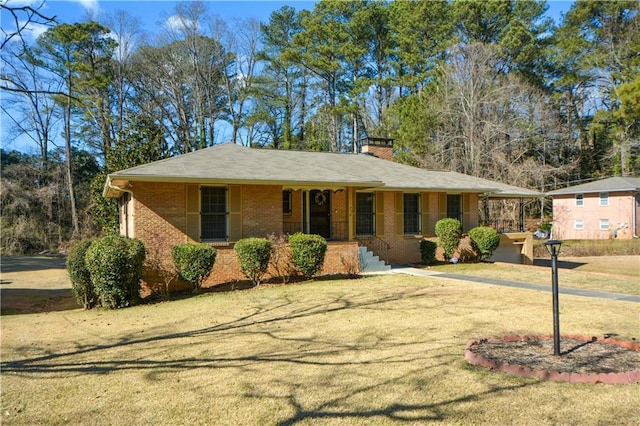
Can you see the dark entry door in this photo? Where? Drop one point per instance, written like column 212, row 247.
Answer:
column 320, row 213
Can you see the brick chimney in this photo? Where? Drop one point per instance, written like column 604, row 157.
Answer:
column 378, row 147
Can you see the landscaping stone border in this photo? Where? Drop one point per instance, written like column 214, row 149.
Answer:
column 625, row 377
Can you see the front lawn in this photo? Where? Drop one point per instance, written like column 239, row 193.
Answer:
column 616, row 274
column 376, row 350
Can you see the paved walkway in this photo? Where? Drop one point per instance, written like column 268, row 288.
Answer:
column 526, row 286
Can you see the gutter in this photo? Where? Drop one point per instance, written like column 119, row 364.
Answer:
column 108, row 185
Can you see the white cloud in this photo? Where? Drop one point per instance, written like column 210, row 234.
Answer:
column 90, row 5
column 34, row 30
column 178, row 23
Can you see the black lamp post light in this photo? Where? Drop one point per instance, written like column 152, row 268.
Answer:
column 553, row 247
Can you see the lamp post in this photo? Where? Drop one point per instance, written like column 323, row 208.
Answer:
column 553, row 247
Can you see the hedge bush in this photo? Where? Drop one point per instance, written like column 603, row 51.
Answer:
column 194, row 262
column 253, row 256
column 428, row 251
column 115, row 263
column 485, row 241
column 449, row 232
column 80, row 276
column 307, row 253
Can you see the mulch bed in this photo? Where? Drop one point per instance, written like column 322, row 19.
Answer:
column 582, row 359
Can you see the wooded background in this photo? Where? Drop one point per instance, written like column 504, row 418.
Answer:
column 493, row 89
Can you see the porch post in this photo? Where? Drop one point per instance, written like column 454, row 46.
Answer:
column 351, row 213
column 521, row 206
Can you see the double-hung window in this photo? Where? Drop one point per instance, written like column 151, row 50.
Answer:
column 411, row 214
column 213, row 213
column 604, row 198
column 604, row 224
column 286, row 202
column 579, row 200
column 365, row 213
column 578, row 224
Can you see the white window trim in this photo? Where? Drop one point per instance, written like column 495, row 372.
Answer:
column 603, row 222
column 606, row 199
column 579, row 200
column 578, row 224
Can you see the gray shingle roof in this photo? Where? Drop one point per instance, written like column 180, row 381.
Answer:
column 602, row 185
column 230, row 163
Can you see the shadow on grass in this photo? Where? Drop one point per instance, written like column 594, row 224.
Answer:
column 31, row 263
column 562, row 264
column 396, row 358
column 18, row 301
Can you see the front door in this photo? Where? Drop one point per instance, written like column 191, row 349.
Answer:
column 320, row 213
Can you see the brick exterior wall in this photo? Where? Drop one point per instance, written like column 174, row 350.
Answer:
column 384, row 151
column 158, row 212
column 261, row 210
column 406, row 248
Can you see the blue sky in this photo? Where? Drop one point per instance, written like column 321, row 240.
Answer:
column 153, row 13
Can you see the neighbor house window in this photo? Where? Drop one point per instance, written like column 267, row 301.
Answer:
column 604, row 224
column 213, row 213
column 286, row 202
column 579, row 199
column 365, row 213
column 411, row 214
column 578, row 224
column 604, row 198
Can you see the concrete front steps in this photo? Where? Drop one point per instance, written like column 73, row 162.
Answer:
column 371, row 264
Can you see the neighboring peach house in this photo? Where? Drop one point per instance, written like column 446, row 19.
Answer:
column 603, row 209
column 227, row 192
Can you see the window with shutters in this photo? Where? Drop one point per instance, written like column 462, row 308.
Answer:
column 213, row 213
column 411, row 214
column 286, row 202
column 365, row 213
column 454, row 206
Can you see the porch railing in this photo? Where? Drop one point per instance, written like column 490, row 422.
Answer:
column 504, row 225
column 338, row 230
column 377, row 245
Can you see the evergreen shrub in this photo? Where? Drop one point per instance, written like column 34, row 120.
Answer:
column 428, row 251
column 307, row 253
column 83, row 288
column 253, row 256
column 194, row 262
column 115, row 264
column 485, row 241
column 449, row 232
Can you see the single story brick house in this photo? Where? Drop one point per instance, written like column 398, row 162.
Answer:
column 602, row 209
column 227, row 192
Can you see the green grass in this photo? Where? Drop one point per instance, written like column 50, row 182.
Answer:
column 376, row 350
column 579, row 248
column 617, row 274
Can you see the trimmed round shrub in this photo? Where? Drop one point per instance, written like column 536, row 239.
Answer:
column 307, row 253
column 253, row 256
column 194, row 262
column 485, row 241
column 80, row 276
column 428, row 251
column 449, row 232
column 115, row 263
